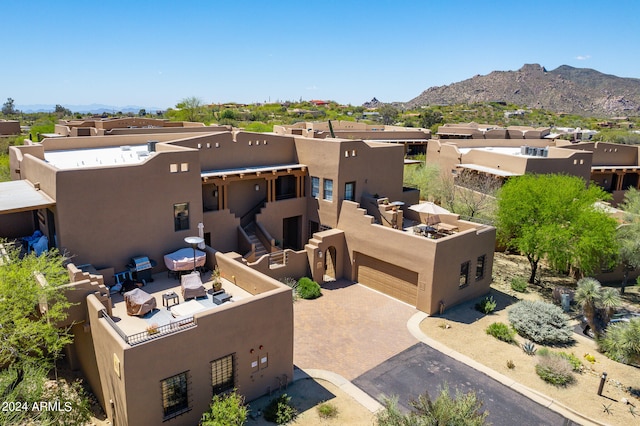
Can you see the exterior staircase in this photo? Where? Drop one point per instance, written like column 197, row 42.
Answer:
column 250, row 229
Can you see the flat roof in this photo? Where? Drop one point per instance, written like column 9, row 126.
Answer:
column 20, row 196
column 97, row 157
column 508, row 150
column 485, row 169
column 250, row 170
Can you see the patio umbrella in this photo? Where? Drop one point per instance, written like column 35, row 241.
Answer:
column 429, row 208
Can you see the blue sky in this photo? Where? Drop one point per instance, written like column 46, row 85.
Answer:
column 155, row 53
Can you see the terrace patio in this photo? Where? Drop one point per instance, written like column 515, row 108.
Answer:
column 136, row 328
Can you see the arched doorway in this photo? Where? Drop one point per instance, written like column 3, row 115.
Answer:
column 329, row 264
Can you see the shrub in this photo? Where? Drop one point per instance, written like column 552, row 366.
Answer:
column 291, row 282
column 225, row 410
column 501, row 331
column 461, row 409
column 621, row 342
column 280, row 410
column 555, row 369
column 519, row 284
column 575, row 362
column 308, row 289
column 510, row 364
column 541, row 322
column 590, row 358
column 486, row 305
column 327, row 410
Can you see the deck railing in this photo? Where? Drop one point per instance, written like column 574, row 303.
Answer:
column 152, row 332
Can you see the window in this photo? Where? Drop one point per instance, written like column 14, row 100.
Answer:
column 181, row 216
column 464, row 274
column 315, row 186
column 222, row 374
column 350, row 191
column 480, row 267
column 328, row 189
column 175, row 399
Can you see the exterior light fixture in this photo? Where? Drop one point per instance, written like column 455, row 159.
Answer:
column 194, row 241
column 257, row 187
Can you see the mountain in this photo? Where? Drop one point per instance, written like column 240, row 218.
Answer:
column 92, row 109
column 566, row 89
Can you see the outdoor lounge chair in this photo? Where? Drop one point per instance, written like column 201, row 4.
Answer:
column 191, row 285
column 139, row 302
column 437, row 223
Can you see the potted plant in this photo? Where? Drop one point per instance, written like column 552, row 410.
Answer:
column 216, row 280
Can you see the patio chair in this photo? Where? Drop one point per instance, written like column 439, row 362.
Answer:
column 192, row 286
column 139, row 302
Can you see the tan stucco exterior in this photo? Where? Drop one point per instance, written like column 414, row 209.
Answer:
column 254, row 197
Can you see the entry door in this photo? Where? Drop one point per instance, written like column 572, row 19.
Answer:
column 291, row 230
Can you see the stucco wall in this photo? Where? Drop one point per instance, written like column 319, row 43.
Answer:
column 107, row 215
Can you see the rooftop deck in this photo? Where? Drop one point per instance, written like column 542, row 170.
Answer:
column 136, row 328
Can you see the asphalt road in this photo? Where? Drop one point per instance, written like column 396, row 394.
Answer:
column 421, row 368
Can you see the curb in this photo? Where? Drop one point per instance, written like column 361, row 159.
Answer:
column 414, row 328
column 340, row 382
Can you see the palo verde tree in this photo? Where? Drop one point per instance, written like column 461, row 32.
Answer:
column 32, row 304
column 555, row 217
column 628, row 235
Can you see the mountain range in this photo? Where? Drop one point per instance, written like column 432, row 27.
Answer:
column 91, row 109
column 566, row 89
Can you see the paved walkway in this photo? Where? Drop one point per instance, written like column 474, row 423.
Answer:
column 350, row 329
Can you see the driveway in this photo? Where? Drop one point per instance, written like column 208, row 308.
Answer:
column 350, row 329
column 421, row 368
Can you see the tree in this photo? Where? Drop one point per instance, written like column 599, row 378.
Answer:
column 192, row 107
column 30, row 341
column 424, row 177
column 461, row 410
column 554, row 217
column 429, row 118
column 61, row 111
column 388, row 113
column 628, row 235
column 597, row 303
column 142, row 112
column 622, row 342
column 8, row 107
column 474, row 195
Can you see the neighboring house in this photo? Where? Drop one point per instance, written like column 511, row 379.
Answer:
column 268, row 206
column 414, row 140
column 9, row 128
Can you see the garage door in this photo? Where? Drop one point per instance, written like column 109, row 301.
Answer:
column 387, row 278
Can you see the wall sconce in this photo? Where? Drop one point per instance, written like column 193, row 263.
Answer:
column 320, row 254
column 257, row 187
column 215, row 192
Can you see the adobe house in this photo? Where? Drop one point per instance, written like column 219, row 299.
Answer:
column 268, row 206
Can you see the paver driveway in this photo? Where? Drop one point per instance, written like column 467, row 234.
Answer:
column 350, row 329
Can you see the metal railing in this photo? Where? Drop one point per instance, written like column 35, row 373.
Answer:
column 152, row 332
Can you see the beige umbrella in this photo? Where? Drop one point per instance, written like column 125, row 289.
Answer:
column 429, row 208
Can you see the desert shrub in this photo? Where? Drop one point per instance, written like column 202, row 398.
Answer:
column 228, row 409
column 461, row 409
column 529, row 348
column 308, row 289
column 541, row 322
column 575, row 362
column 291, row 282
column 510, row 364
column 280, row 410
column 544, row 352
column 621, row 342
column 519, row 284
column 486, row 305
column 501, row 331
column 327, row 410
column 555, row 369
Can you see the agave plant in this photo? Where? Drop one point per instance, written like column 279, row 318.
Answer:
column 529, row 348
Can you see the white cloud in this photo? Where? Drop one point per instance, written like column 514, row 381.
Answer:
column 583, row 57
column 312, row 87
